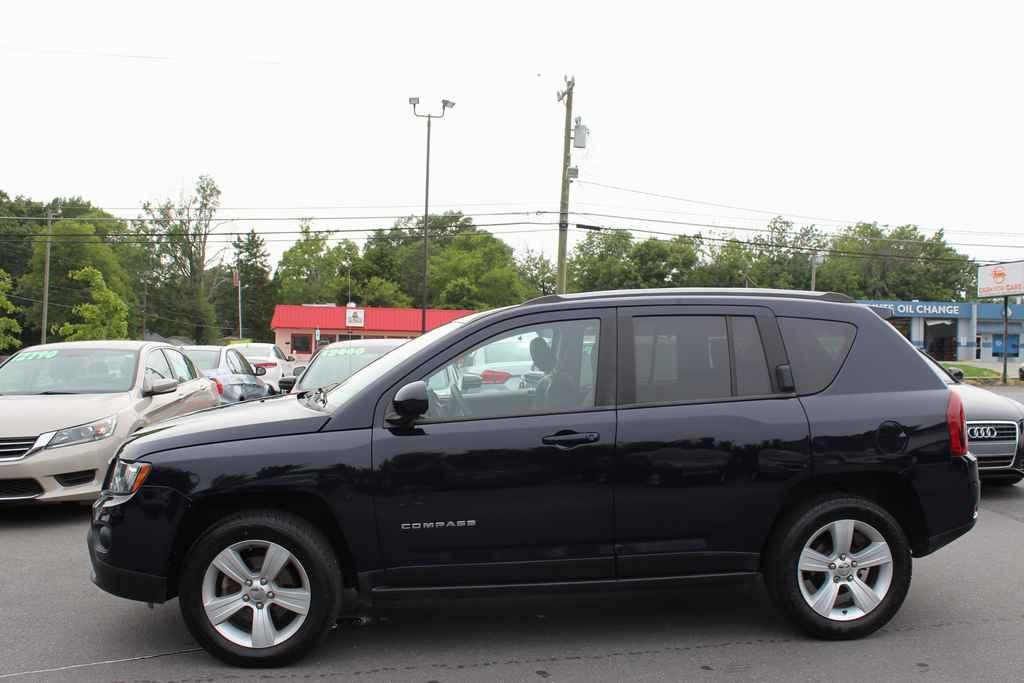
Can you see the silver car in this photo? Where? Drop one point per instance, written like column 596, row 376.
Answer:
column 65, row 410
column 234, row 378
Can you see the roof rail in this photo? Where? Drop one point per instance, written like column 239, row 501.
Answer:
column 833, row 297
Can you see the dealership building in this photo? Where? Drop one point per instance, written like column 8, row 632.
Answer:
column 958, row 330
column 302, row 328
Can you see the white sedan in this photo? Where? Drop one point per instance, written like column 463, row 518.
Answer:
column 271, row 358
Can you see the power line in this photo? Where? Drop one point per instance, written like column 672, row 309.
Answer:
column 836, row 221
column 219, row 326
column 237, row 219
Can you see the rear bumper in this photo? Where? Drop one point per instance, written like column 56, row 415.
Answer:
column 125, row 583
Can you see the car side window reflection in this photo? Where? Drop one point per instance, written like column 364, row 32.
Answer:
column 546, row 368
column 157, row 366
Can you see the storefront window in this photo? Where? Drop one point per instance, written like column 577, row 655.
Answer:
column 302, row 343
column 940, row 338
column 997, row 346
column 902, row 325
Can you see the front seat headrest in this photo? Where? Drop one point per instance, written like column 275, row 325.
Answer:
column 542, row 355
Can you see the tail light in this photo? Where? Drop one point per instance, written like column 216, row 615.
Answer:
column 265, row 365
column 957, row 425
column 495, row 376
column 219, row 386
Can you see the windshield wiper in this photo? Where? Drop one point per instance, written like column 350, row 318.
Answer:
column 54, row 393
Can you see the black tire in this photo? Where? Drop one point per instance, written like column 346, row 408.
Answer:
column 305, row 543
column 782, row 575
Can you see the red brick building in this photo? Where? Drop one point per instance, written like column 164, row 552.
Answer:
column 295, row 325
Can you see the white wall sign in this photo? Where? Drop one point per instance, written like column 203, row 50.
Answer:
column 1002, row 279
column 354, row 317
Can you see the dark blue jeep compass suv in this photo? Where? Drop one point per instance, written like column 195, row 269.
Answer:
column 669, row 436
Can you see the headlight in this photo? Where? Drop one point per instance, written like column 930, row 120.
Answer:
column 94, row 431
column 128, row 476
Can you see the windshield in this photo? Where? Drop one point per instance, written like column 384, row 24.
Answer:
column 204, row 359
column 254, row 350
column 338, row 363
column 362, row 378
column 69, row 371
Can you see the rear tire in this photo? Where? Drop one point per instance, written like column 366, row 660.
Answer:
column 285, row 612
column 839, row 567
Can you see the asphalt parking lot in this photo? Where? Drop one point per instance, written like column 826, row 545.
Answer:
column 963, row 620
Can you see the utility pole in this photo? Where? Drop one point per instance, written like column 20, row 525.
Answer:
column 563, row 205
column 445, row 106
column 46, row 274
column 816, row 260
column 238, row 283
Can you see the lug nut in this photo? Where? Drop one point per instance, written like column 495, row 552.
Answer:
column 842, row 557
column 270, row 595
column 831, row 565
column 263, row 582
column 850, row 577
column 245, row 598
column 259, row 605
column 248, row 582
column 853, row 563
column 836, row 580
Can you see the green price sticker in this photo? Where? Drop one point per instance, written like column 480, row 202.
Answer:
column 34, row 355
column 347, row 351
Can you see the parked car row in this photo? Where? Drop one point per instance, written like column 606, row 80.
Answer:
column 66, row 409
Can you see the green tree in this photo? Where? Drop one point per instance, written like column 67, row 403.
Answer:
column 600, row 261
column 475, row 270
column 253, row 263
column 869, row 261
column 105, row 317
column 311, row 271
column 380, row 292
column 537, row 273
column 75, row 245
column 9, row 327
column 180, row 234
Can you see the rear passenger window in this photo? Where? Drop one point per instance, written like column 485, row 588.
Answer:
column 751, row 365
column 681, row 358
column 816, row 350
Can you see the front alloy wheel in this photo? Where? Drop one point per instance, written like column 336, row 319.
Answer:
column 256, row 594
column 260, row 588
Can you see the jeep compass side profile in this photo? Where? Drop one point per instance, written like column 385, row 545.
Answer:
column 674, row 436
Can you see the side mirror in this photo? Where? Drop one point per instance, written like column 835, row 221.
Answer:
column 297, row 372
column 260, row 371
column 471, row 381
column 287, row 384
column 410, row 402
column 290, row 359
column 957, row 373
column 154, row 387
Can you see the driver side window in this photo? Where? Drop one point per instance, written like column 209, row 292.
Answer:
column 545, row 368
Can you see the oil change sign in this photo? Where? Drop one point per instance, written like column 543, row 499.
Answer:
column 1001, row 279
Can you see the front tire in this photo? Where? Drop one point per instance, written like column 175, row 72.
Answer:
column 260, row 589
column 839, row 567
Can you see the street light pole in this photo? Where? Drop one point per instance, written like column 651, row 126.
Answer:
column 445, row 105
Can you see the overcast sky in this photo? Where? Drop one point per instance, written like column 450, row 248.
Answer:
column 896, row 112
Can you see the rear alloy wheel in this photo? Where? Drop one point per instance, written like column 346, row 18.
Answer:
column 260, row 589
column 840, row 567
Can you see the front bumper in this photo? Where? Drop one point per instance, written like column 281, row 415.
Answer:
column 61, row 474
column 124, row 583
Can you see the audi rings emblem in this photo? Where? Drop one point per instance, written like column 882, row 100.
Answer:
column 982, row 432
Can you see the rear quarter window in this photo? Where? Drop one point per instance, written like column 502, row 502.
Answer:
column 816, row 350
